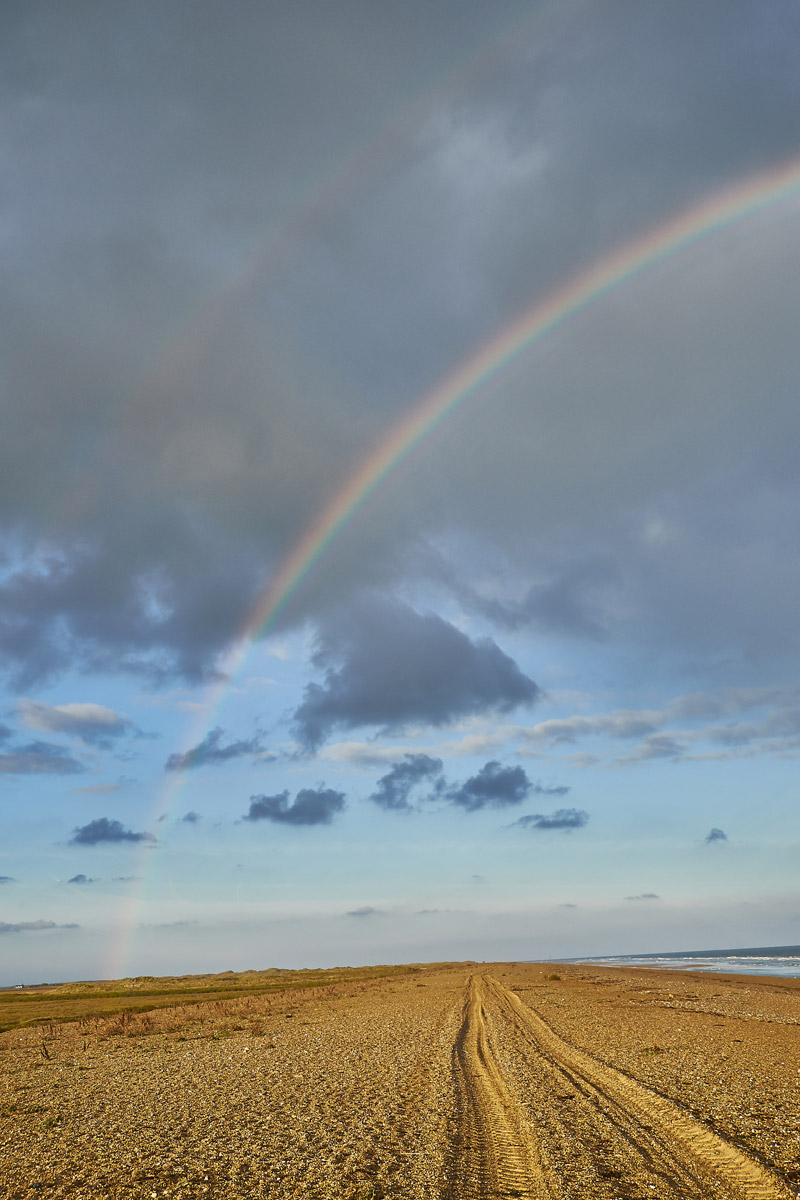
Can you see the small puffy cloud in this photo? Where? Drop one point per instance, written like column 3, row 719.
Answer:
column 32, row 926
column 39, row 758
column 644, row 896
column 366, row 910
column 311, row 806
column 495, row 786
column 562, row 818
column 190, row 818
column 393, row 789
column 715, row 835
column 104, row 829
column 7, row 879
column 386, row 664
column 211, row 750
column 81, row 879
column 93, row 724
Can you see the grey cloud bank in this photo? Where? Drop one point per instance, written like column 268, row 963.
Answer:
column 512, row 186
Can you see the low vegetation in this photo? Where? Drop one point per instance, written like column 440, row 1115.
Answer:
column 96, row 1000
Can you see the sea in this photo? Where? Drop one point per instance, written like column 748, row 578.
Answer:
column 783, row 961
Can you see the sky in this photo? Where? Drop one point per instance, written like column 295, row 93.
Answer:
column 398, row 482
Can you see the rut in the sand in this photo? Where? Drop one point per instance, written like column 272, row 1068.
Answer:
column 501, row 1151
column 496, row 1154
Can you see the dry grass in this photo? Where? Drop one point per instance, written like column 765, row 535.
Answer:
column 94, row 1000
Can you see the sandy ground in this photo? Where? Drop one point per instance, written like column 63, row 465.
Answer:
column 491, row 1081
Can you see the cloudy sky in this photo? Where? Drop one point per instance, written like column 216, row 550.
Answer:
column 537, row 693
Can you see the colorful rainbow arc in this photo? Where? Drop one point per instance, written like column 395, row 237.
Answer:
column 716, row 212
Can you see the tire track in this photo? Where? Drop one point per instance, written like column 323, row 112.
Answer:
column 495, row 1154
column 673, row 1144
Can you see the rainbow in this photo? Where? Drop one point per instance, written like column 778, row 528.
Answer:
column 714, row 213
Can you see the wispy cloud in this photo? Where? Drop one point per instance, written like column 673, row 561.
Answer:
column 32, row 926
column 562, row 818
column 102, row 789
column 93, row 724
column 212, row 751
column 39, row 758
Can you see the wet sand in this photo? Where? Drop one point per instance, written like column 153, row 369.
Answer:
column 474, row 1082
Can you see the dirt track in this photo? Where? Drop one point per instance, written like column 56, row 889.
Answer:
column 460, row 1084
column 500, row 1153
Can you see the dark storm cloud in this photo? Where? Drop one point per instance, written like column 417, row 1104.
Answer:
column 311, row 806
column 211, row 750
column 715, row 835
column 386, row 664
column 104, row 829
column 146, row 153
column 93, row 724
column 39, row 758
column 81, row 879
column 31, row 926
column 394, row 788
column 494, row 786
column 562, row 818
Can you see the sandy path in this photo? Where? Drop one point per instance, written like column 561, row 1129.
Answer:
column 495, row 1151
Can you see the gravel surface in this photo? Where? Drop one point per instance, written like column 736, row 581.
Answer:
column 352, row 1092
column 342, row 1096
